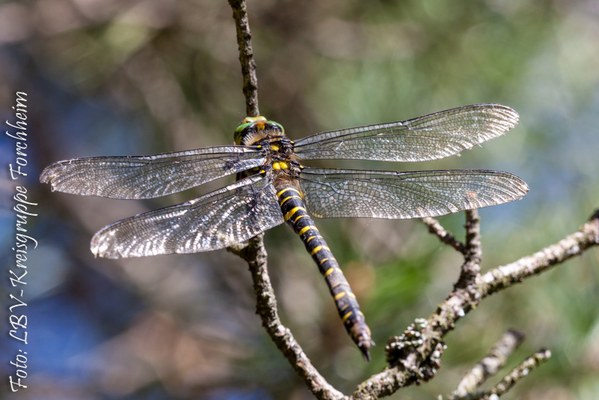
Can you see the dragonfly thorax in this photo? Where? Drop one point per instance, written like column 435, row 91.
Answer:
column 254, row 129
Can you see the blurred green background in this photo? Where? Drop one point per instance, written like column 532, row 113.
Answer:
column 108, row 77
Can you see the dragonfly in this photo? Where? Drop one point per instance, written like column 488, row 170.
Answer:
column 274, row 187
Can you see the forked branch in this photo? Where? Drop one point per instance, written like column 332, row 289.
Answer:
column 409, row 366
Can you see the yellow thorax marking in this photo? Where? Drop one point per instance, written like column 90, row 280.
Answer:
column 280, row 165
column 293, row 211
column 274, row 147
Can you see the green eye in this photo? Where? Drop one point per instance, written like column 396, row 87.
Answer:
column 238, row 136
column 279, row 125
column 242, row 127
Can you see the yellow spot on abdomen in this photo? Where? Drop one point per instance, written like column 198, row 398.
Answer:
column 287, row 198
column 286, row 189
column 339, row 295
column 301, row 216
column 318, row 248
column 346, row 316
column 307, row 228
column 313, row 237
column 293, row 211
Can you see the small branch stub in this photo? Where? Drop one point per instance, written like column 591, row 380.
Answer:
column 435, row 228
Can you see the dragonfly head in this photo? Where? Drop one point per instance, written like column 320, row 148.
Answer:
column 253, row 129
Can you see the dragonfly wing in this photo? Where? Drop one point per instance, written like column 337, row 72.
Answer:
column 148, row 176
column 430, row 137
column 332, row 193
column 219, row 219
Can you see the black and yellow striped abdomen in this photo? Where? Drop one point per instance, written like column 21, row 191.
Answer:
column 297, row 217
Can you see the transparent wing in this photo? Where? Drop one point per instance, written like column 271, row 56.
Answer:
column 332, row 193
column 429, row 137
column 222, row 218
column 148, row 176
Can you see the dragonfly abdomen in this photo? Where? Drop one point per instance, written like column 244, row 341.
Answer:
column 297, row 217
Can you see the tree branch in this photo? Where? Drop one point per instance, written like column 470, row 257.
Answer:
column 254, row 252
column 255, row 255
column 246, row 57
column 410, row 364
column 527, row 366
column 470, row 272
column 490, row 364
column 521, row 371
column 435, row 228
column 571, row 246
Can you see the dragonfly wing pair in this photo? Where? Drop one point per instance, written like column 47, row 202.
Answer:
column 430, row 137
column 276, row 188
column 240, row 211
column 217, row 220
column 149, row 176
column 336, row 193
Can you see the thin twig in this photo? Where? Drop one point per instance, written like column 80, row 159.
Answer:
column 527, row 366
column 254, row 252
column 246, row 57
column 445, row 236
column 571, row 246
column 490, row 364
column 473, row 242
column 470, row 271
column 521, row 371
column 255, row 255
